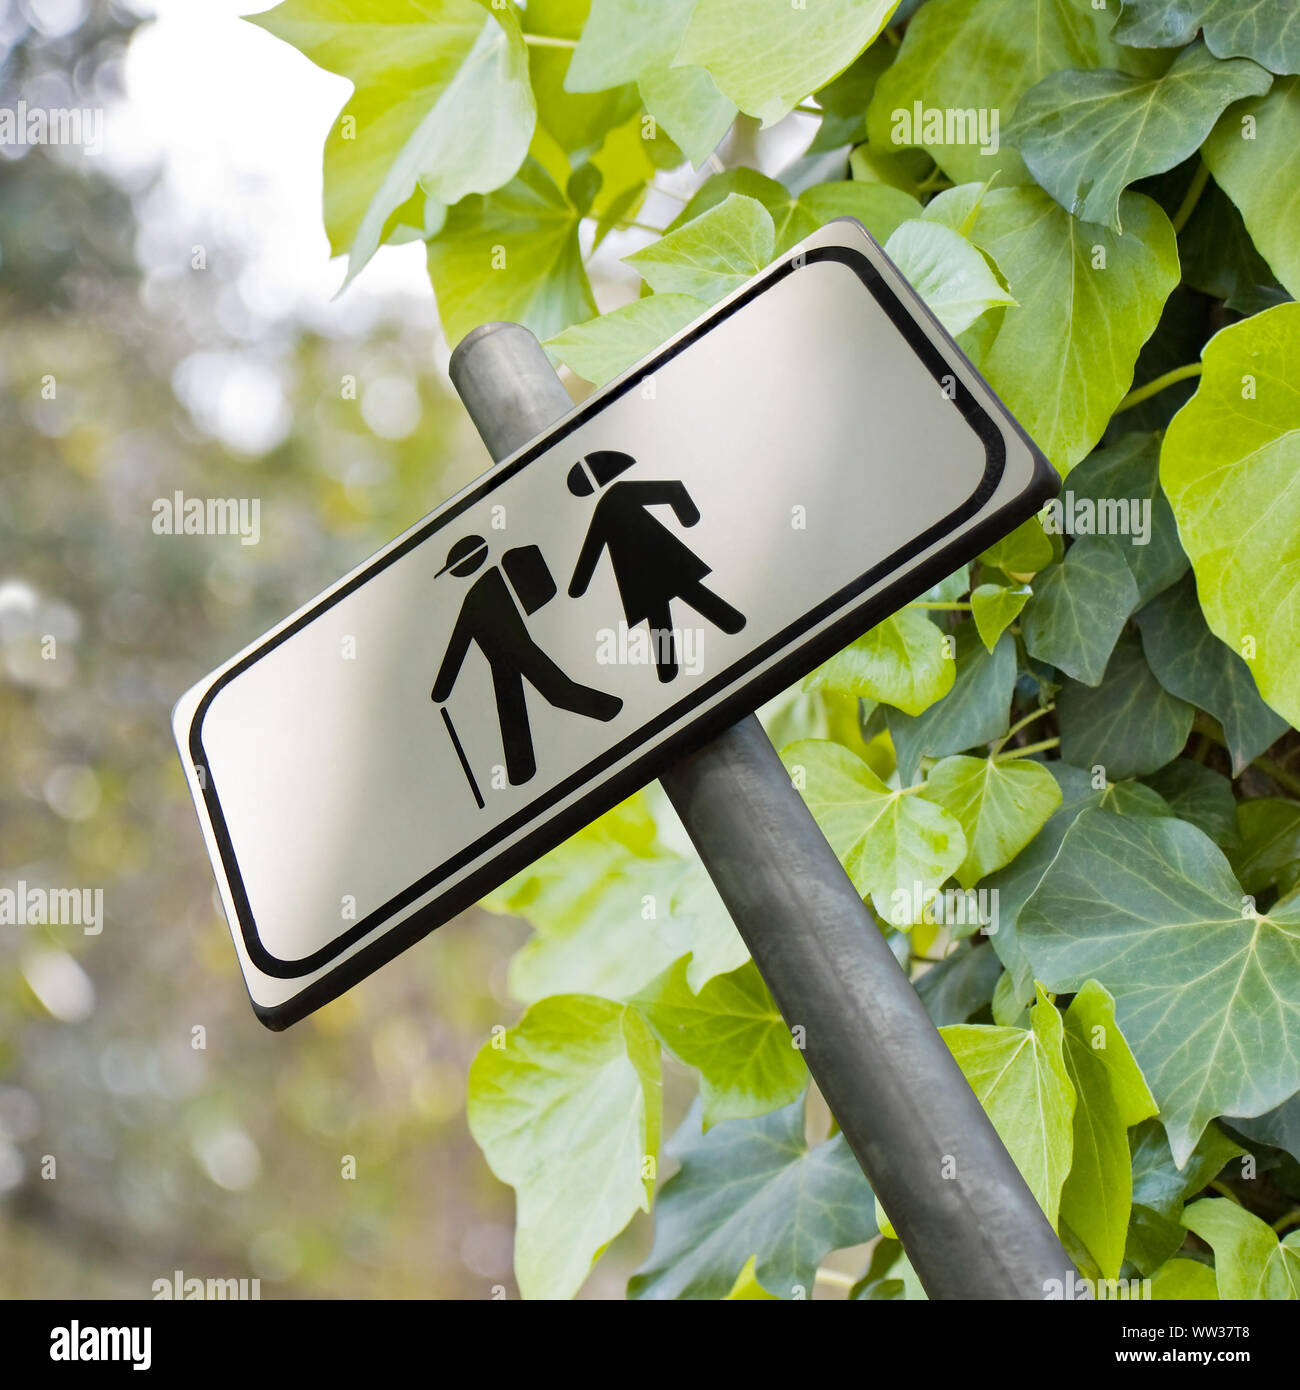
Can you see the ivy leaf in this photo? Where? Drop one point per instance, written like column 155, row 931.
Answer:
column 1204, row 991
column 896, row 847
column 514, row 255
column 1279, row 1127
column 1020, row 1078
column 1266, row 30
column 568, row 1112
column 844, row 101
column 1086, row 136
column 901, row 661
column 1249, row 1259
column 946, row 271
column 1254, row 155
column 1112, row 1096
column 715, row 944
column 747, row 1289
column 781, row 52
column 1220, row 260
column 711, row 255
column 972, row 55
column 1025, row 551
column 995, row 607
column 1198, row 794
column 442, row 102
column 1228, row 467
column 733, row 1033
column 1183, row 1281
column 960, row 985
column 1189, row 660
column 1129, row 724
column 976, row 710
column 604, row 348
column 1079, row 609
column 1122, row 483
column 1087, row 300
column 1270, row 852
column 753, row 1188
column 1000, row 807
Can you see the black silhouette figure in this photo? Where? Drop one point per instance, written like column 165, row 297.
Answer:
column 651, row 566
column 490, row 618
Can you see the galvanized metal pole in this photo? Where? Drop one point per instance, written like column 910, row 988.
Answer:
column 966, row 1217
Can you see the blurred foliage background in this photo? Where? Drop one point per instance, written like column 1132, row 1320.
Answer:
column 224, row 1160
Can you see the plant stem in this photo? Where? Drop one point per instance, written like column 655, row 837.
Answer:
column 1020, row 724
column 1041, row 747
column 1153, row 388
column 641, row 227
column 1289, row 1219
column 1278, row 773
column 545, row 41
column 955, row 607
column 1193, row 196
column 1224, row 1191
column 809, row 110
column 833, row 1276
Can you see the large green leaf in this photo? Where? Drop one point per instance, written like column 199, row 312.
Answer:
column 512, row 255
column 1079, row 609
column 567, row 1111
column 1266, row 30
column 1197, row 793
column 711, row 255
column 897, row 847
column 970, row 55
column 946, row 271
column 902, row 662
column 1269, row 856
column 976, row 710
column 1086, row 136
column 605, row 347
column 1129, row 724
column 442, row 104
column 1189, row 660
column 1087, row 299
column 734, row 1034
column 1249, row 1259
column 1254, row 155
column 773, row 53
column 1020, row 1078
column 1205, row 990
column 1112, row 1096
column 753, row 1188
column 1000, row 806
column 1230, row 467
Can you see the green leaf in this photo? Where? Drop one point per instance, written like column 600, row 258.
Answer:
column 1024, row 552
column 960, row 985
column 1112, row 1095
column 1220, row 260
column 844, row 101
column 1000, row 807
column 604, row 348
column 1198, row 794
column 1086, row 136
column 780, row 52
column 1189, row 660
column 747, row 1289
column 1279, row 1127
column 1020, row 1078
column 1087, row 300
column 1228, row 467
column 715, row 944
column 753, row 1189
column 972, row 55
column 1270, row 852
column 1079, row 609
column 995, row 607
column 567, row 1112
column 512, row 255
column 896, row 847
column 901, row 662
column 1254, row 155
column 1129, row 724
column 1204, row 990
column 733, row 1033
column 1184, row 1280
column 711, row 255
column 1266, row 30
column 946, row 271
column 976, row 710
column 1249, row 1260
column 1117, row 491
column 442, row 103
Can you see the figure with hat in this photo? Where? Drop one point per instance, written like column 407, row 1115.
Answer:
column 490, row 618
column 652, row 567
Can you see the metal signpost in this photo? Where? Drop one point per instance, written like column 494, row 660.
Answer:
column 633, row 578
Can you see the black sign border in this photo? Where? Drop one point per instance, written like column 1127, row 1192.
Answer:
column 797, row 662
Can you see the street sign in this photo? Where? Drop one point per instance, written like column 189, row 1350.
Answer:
column 784, row 473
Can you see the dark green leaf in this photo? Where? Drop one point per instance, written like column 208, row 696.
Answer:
column 1198, row 794
column 1079, row 608
column 1266, row 30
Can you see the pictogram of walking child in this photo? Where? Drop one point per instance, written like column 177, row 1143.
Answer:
column 652, row 567
column 490, row 618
